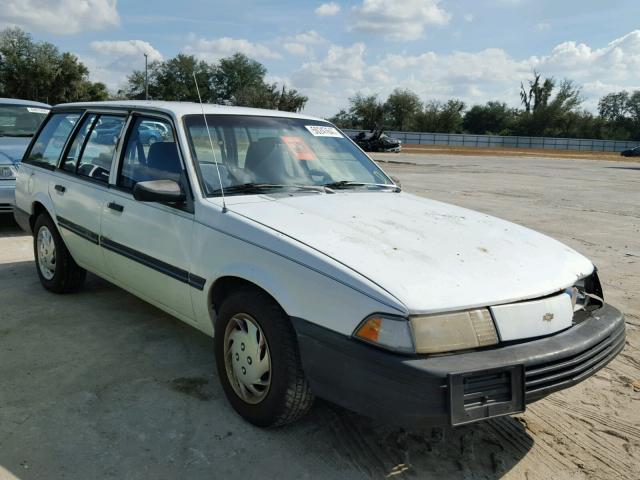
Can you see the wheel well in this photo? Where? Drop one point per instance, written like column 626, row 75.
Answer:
column 224, row 286
column 38, row 208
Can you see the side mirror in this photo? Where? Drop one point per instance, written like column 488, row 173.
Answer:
column 161, row 191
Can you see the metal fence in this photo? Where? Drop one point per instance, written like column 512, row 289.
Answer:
column 498, row 141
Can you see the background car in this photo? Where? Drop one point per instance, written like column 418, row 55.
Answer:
column 377, row 141
column 150, row 134
column 19, row 120
column 632, row 152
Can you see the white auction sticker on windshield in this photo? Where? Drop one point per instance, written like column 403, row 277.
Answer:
column 37, row 110
column 321, row 131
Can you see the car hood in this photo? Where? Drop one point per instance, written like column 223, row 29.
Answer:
column 12, row 149
column 429, row 255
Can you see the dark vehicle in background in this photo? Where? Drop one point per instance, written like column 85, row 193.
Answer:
column 377, row 141
column 19, row 121
column 632, row 152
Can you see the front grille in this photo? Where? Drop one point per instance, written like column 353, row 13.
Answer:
column 545, row 378
column 6, row 207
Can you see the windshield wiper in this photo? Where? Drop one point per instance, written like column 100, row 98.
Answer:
column 261, row 187
column 349, row 184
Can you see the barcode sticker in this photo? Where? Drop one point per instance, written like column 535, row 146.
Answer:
column 321, row 131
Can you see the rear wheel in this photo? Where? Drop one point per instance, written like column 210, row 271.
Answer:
column 58, row 272
column 258, row 360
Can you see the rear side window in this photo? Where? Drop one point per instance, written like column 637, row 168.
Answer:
column 97, row 154
column 52, row 138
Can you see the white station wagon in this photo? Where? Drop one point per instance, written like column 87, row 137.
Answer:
column 317, row 274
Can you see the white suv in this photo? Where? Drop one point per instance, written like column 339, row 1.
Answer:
column 317, row 274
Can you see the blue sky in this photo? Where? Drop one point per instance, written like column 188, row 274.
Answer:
column 475, row 50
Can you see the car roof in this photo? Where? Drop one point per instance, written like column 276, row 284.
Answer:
column 179, row 109
column 26, row 103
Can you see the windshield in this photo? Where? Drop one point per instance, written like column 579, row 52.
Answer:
column 254, row 152
column 20, row 120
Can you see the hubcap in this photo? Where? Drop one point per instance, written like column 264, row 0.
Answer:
column 46, row 253
column 247, row 359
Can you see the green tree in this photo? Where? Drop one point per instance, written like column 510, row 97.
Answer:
column 440, row 117
column 546, row 114
column 401, row 108
column 236, row 80
column 366, row 111
column 343, row 119
column 38, row 71
column 492, row 118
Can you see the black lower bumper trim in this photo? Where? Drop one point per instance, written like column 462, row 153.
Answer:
column 416, row 391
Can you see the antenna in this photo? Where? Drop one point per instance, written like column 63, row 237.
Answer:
column 213, row 151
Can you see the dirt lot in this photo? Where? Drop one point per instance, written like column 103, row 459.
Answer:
column 101, row 385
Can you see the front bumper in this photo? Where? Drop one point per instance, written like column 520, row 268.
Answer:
column 7, row 195
column 457, row 388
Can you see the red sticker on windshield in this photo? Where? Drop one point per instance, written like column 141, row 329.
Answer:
column 299, row 148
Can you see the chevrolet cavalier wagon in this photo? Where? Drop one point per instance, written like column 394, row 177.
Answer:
column 315, row 274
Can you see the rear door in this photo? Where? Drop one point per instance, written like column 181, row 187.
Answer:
column 80, row 185
column 147, row 246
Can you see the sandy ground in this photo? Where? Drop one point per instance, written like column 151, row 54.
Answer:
column 101, row 385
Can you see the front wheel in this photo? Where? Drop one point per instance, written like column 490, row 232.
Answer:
column 57, row 270
column 258, row 360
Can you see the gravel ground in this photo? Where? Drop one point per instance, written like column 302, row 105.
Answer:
column 101, row 385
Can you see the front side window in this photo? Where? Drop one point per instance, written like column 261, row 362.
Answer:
column 20, row 120
column 275, row 152
column 151, row 154
column 98, row 151
column 52, row 138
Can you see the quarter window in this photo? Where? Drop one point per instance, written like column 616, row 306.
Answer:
column 97, row 154
column 151, row 154
column 52, row 138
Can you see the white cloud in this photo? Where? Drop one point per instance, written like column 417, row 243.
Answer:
column 60, row 16
column 126, row 49
column 311, row 37
column 468, row 17
column 327, row 9
column 114, row 60
column 296, row 48
column 398, row 19
column 475, row 77
column 215, row 49
column 340, row 64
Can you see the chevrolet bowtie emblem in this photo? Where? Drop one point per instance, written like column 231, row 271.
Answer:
column 547, row 317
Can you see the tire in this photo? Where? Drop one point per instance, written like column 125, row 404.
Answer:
column 287, row 396
column 58, row 273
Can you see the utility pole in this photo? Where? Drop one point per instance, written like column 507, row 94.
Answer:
column 146, row 77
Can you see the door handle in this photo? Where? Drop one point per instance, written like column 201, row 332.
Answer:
column 60, row 188
column 115, row 206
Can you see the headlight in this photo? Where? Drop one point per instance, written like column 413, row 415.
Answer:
column 587, row 294
column 430, row 333
column 8, row 172
column 454, row 331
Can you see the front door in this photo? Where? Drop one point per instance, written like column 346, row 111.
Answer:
column 147, row 246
